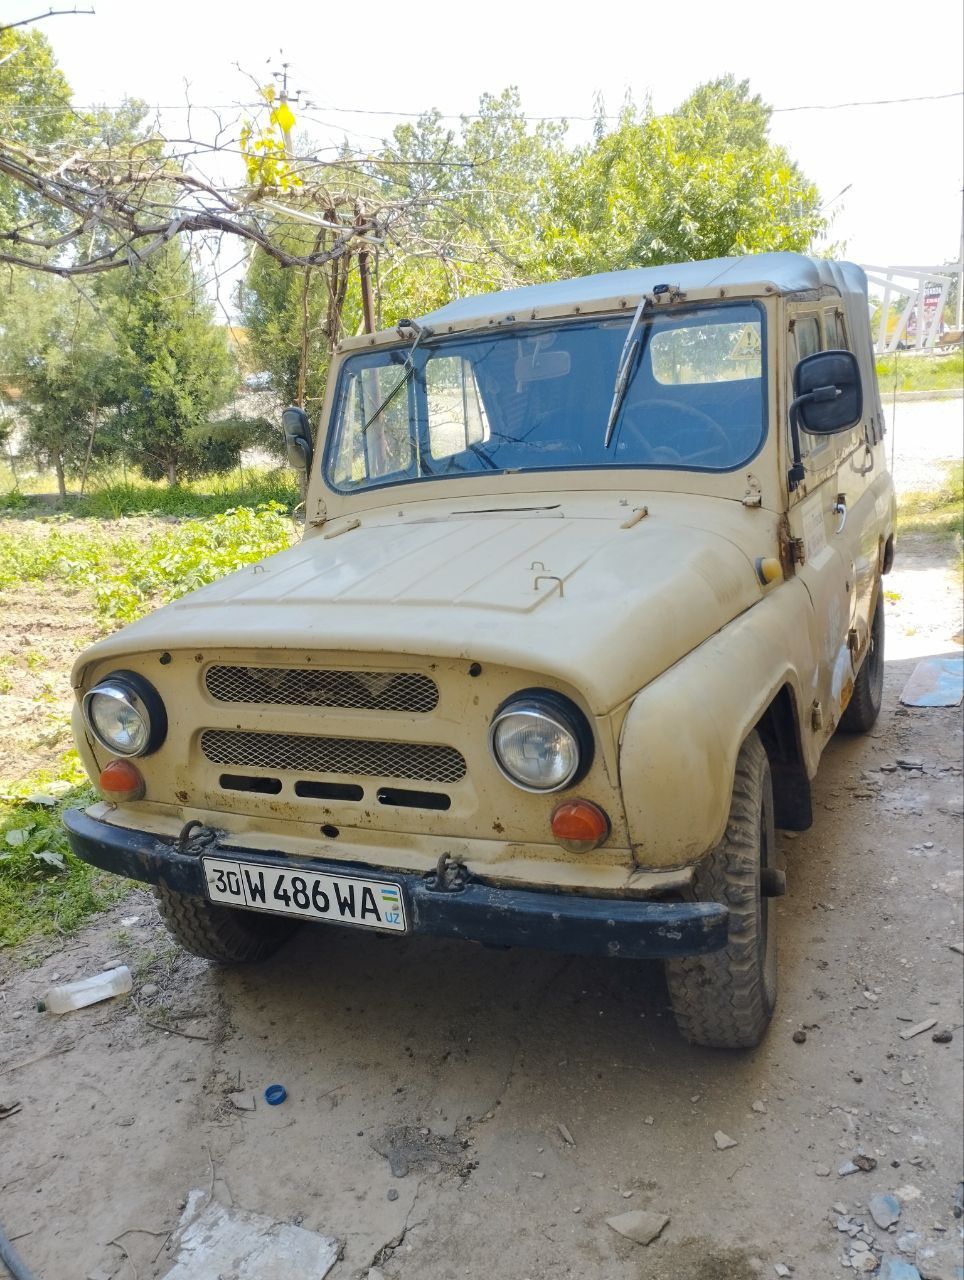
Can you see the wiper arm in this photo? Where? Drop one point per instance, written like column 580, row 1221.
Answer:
column 625, row 367
column 408, row 368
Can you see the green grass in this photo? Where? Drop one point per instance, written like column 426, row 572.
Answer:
column 44, row 889
column 920, row 373
column 113, row 496
column 939, row 512
column 127, row 574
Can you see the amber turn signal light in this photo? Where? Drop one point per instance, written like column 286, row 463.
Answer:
column 579, row 825
column 121, row 780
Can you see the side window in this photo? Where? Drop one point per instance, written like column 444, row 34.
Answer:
column 817, row 451
column 807, row 330
column 836, row 333
column 456, row 416
column 385, row 448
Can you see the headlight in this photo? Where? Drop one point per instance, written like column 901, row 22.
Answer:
column 125, row 714
column 540, row 741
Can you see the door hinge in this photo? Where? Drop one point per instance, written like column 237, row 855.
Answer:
column 798, row 551
column 754, row 494
column 816, row 716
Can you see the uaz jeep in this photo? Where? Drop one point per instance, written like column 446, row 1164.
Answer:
column 591, row 573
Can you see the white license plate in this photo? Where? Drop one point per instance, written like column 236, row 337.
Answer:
column 375, row 904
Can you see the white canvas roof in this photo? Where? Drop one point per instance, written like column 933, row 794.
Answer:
column 751, row 274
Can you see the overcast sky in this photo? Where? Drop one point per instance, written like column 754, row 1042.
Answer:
column 902, row 163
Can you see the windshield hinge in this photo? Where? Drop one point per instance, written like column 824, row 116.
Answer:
column 754, row 494
column 319, row 513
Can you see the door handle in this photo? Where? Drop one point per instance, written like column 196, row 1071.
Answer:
column 840, row 509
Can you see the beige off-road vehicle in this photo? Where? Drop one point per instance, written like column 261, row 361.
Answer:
column 591, row 573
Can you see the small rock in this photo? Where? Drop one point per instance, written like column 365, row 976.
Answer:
column 864, row 1162
column 723, row 1141
column 897, row 1269
column 781, row 1269
column 885, row 1210
column 695, row 1097
column 650, row 1120
column 567, row 1137
column 909, row 762
column 628, row 1195
column 906, row 1077
column 759, row 1107
column 839, row 1208
column 638, row 1225
column 149, row 989
column 577, row 1208
column 918, row 1028
column 907, row 1243
column 822, row 1170
column 376, row 1273
column 535, row 1174
column 866, row 1263
column 392, row 1194
column 799, row 1037
column 846, row 1168
column 944, row 1036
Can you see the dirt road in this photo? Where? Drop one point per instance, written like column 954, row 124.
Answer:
column 461, row 1065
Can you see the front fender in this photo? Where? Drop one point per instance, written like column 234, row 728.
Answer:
column 682, row 733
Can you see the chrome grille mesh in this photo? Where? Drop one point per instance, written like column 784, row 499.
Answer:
column 373, row 759
column 317, row 687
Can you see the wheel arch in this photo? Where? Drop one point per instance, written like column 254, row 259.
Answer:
column 779, row 730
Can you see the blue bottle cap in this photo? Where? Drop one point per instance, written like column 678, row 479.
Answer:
column 275, row 1094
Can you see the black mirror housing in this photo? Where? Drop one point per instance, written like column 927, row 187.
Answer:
column 294, row 423
column 828, row 393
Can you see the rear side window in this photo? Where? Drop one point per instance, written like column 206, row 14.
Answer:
column 807, row 331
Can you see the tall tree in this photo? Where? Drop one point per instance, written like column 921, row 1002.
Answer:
column 704, row 181
column 177, row 370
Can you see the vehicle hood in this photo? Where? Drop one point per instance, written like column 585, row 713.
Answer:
column 597, row 595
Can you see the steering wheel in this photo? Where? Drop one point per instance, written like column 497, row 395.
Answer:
column 660, row 453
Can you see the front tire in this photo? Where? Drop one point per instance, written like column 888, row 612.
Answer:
column 725, row 999
column 862, row 710
column 222, row 934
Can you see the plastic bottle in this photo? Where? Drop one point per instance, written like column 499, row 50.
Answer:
column 75, row 995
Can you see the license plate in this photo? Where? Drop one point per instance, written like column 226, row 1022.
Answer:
column 375, row 904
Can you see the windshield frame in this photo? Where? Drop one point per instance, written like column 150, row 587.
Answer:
column 436, row 344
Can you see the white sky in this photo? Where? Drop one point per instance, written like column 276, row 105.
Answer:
column 904, row 164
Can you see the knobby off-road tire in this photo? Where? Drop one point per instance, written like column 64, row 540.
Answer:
column 725, row 999
column 217, row 933
column 863, row 708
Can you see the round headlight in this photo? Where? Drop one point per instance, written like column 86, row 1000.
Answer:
column 540, row 741
column 125, row 714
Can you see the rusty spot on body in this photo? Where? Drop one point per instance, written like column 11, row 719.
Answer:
column 182, row 796
column 497, row 827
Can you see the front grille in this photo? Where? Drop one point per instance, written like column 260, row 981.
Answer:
column 316, row 687
column 373, row 759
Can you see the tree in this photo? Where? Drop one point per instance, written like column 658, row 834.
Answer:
column 702, row 182
column 65, row 366
column 176, row 370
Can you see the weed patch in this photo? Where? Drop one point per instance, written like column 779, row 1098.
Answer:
column 44, row 889
column 128, row 575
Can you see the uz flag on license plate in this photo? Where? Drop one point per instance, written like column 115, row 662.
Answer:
column 375, row 904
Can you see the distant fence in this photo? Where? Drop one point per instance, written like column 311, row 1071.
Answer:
column 923, row 291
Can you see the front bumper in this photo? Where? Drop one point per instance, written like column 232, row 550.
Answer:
column 472, row 909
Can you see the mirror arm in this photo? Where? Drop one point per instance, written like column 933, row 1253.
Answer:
column 796, row 472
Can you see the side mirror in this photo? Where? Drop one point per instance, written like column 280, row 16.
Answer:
column 828, row 397
column 828, row 394
column 294, row 423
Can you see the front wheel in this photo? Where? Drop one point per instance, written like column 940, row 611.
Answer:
column 725, row 999
column 861, row 712
column 222, row 934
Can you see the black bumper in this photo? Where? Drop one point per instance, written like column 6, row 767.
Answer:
column 476, row 911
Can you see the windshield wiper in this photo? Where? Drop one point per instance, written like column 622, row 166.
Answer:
column 408, row 368
column 625, row 367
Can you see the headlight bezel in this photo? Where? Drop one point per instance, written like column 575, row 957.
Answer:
column 139, row 694
column 560, row 712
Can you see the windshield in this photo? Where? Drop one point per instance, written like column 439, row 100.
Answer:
column 538, row 397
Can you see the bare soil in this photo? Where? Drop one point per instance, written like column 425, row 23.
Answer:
column 456, row 1066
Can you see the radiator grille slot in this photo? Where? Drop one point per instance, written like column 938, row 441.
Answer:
column 319, row 687
column 373, row 759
